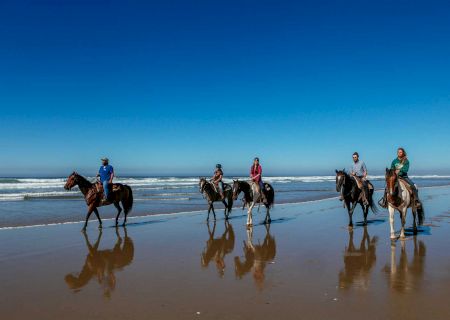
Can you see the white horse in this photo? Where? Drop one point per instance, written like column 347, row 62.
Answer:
column 399, row 198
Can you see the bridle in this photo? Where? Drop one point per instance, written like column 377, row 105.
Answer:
column 236, row 189
column 340, row 183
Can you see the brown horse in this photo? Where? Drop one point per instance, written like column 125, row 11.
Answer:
column 212, row 195
column 120, row 193
column 399, row 197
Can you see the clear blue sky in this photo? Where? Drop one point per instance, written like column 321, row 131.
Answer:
column 173, row 87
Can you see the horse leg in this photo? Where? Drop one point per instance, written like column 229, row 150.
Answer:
column 90, row 210
column 98, row 217
column 267, row 220
column 249, row 215
column 403, row 214
column 119, row 210
column 414, row 223
column 366, row 212
column 391, row 221
column 350, row 209
column 214, row 213
column 226, row 212
column 209, row 210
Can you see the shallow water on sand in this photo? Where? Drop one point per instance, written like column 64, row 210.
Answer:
column 305, row 265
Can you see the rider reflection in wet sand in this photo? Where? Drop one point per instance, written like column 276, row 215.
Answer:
column 102, row 264
column 256, row 257
column 217, row 248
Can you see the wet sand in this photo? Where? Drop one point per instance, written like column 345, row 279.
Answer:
column 307, row 265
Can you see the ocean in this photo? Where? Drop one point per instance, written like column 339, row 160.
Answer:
column 38, row 201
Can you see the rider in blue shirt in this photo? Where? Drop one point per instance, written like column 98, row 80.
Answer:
column 106, row 174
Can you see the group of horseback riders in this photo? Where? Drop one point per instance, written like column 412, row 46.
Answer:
column 358, row 171
column 400, row 164
column 255, row 176
column 106, row 175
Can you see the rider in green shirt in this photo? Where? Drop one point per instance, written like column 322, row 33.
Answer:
column 401, row 167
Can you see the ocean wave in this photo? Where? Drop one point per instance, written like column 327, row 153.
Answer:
column 40, row 195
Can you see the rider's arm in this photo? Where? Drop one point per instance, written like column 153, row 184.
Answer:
column 405, row 167
column 393, row 164
column 112, row 175
column 365, row 170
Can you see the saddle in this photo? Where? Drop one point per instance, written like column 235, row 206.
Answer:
column 359, row 183
column 115, row 187
column 407, row 186
column 226, row 187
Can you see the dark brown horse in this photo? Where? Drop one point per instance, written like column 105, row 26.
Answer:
column 92, row 195
column 212, row 195
column 253, row 197
column 350, row 194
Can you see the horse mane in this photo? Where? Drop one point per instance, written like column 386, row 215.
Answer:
column 82, row 181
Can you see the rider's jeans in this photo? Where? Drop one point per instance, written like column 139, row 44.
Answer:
column 106, row 188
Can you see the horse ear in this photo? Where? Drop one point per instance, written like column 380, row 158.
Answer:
column 336, row 170
column 387, row 170
column 343, row 170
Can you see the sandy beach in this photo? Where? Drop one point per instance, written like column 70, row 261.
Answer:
column 306, row 265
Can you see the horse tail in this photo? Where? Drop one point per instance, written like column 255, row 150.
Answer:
column 127, row 201
column 270, row 195
column 421, row 214
column 372, row 204
column 230, row 202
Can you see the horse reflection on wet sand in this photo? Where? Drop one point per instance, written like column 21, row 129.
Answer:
column 217, row 248
column 256, row 257
column 358, row 262
column 102, row 264
column 406, row 275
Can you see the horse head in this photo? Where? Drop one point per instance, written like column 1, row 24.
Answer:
column 391, row 181
column 201, row 184
column 72, row 181
column 340, row 179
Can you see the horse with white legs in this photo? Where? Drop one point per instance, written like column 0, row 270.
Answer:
column 399, row 198
column 212, row 195
column 253, row 197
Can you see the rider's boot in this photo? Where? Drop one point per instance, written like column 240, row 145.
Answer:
column 383, row 201
column 222, row 196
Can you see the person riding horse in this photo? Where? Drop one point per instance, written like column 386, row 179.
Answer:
column 401, row 167
column 216, row 180
column 358, row 171
column 106, row 175
column 256, row 176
